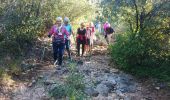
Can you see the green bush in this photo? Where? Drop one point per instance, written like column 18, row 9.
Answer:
column 143, row 56
column 143, row 44
column 22, row 23
column 58, row 92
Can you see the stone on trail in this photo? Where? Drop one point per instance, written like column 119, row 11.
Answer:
column 110, row 84
column 157, row 88
column 91, row 92
column 32, row 83
column 102, row 89
column 106, row 70
column 49, row 82
column 119, row 93
column 61, row 70
column 87, row 72
column 80, row 62
column 40, row 76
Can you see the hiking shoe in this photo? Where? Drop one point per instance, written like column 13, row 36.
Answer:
column 55, row 63
column 58, row 68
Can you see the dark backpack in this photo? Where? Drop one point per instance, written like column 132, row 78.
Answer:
column 110, row 30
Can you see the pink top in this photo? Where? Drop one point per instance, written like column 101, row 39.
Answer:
column 88, row 33
column 58, row 32
column 106, row 25
column 93, row 29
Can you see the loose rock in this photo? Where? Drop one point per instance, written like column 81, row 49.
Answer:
column 102, row 89
column 91, row 92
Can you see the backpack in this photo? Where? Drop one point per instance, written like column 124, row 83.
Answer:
column 110, row 30
column 59, row 39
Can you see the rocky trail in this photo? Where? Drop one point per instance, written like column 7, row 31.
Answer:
column 102, row 81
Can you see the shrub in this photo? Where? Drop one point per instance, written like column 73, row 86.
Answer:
column 73, row 88
column 143, row 46
column 145, row 56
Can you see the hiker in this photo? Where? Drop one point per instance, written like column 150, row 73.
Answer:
column 108, row 35
column 81, row 38
column 93, row 37
column 67, row 40
column 107, row 24
column 88, row 37
column 99, row 27
column 58, row 32
column 90, row 33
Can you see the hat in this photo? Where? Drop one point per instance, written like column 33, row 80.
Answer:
column 66, row 19
column 59, row 19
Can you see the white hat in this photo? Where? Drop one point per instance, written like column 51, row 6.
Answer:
column 66, row 19
column 59, row 19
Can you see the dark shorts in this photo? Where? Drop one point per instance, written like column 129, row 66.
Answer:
column 79, row 41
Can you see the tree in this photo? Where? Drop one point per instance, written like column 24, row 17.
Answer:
column 22, row 21
column 146, row 41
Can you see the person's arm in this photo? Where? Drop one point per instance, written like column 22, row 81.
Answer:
column 94, row 30
column 50, row 33
column 78, row 31
column 66, row 33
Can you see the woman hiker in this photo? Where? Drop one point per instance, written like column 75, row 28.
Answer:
column 69, row 30
column 81, row 38
column 58, row 31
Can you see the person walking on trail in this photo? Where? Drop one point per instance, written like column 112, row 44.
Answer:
column 88, row 41
column 90, row 32
column 107, row 24
column 92, row 38
column 81, row 38
column 58, row 31
column 108, row 35
column 67, row 40
column 99, row 27
column 108, row 30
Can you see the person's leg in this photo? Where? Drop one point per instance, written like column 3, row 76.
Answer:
column 61, row 52
column 88, row 45
column 68, row 48
column 83, row 48
column 106, row 37
column 55, row 51
column 109, row 38
column 91, row 43
column 78, row 48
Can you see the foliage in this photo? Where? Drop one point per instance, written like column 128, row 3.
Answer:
column 23, row 21
column 144, row 47
column 73, row 88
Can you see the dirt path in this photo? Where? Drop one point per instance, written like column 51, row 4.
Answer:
column 103, row 82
